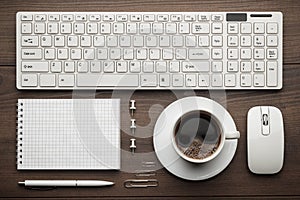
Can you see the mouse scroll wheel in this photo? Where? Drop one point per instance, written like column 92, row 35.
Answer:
column 265, row 120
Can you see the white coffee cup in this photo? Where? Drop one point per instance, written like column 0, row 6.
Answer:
column 189, row 140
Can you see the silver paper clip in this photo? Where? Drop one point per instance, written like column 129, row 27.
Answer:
column 140, row 173
column 140, row 183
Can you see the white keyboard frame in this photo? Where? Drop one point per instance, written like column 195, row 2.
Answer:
column 276, row 17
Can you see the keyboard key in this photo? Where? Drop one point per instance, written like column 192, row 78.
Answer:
column 69, row 66
column 246, row 66
column 40, row 17
column 135, row 17
column 82, row 67
column 246, row 28
column 184, row 28
column 245, row 41
column 217, row 54
column 39, row 28
column 121, row 67
column 272, row 73
column 30, row 41
column 148, row 66
column 204, row 17
column 195, row 66
column 174, row 66
column 259, row 80
column 135, row 66
column 190, row 80
column 246, row 53
column 199, row 54
column 232, row 66
column 176, row 18
column 35, row 66
column 272, row 41
column 66, row 80
column 164, row 80
column 109, row 17
column 95, row 17
column 217, row 41
column 26, row 28
column 232, row 54
column 217, row 80
column 53, row 17
column 200, row 28
column 259, row 54
column 233, row 41
column 111, row 80
column 259, row 66
column 80, row 17
column 217, row 17
column 52, row 28
column 65, row 28
column 189, row 17
column 272, row 54
column 26, row 17
column 233, row 28
column 177, row 80
column 29, row 80
column 149, row 18
column 259, row 41
column 230, row 80
column 67, row 17
column 246, row 80
column 105, row 28
column 148, row 80
column 272, row 28
column 259, row 28
column 47, row 80
column 203, row 80
column 161, row 66
column 217, row 28
column 95, row 66
column 31, row 54
column 162, row 17
column 55, row 66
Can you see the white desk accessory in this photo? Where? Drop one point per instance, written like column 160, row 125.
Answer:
column 65, row 183
column 149, row 50
column 265, row 140
column 166, row 153
column 68, row 134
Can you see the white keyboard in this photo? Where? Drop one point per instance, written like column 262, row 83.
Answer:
column 149, row 50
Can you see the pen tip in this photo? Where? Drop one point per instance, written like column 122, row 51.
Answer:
column 21, row 183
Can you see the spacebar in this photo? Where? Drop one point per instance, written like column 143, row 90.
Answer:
column 107, row 80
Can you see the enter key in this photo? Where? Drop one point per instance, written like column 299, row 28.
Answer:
column 199, row 53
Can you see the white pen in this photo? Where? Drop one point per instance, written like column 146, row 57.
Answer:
column 65, row 183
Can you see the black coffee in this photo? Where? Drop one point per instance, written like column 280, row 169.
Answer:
column 197, row 134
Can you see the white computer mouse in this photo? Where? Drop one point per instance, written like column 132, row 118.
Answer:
column 265, row 140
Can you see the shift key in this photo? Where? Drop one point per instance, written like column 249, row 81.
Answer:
column 35, row 66
column 31, row 54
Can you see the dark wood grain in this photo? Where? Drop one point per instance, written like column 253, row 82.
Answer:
column 235, row 182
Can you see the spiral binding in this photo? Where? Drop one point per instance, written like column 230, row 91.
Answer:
column 19, row 133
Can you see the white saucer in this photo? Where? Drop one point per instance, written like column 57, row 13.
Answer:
column 162, row 139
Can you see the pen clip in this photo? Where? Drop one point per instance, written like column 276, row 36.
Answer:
column 140, row 183
column 41, row 188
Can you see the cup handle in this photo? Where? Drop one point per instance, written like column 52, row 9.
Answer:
column 232, row 135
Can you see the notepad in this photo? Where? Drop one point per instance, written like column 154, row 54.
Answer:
column 68, row 134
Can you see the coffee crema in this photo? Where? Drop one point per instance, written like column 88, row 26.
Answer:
column 197, row 134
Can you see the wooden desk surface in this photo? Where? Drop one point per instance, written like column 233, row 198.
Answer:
column 235, row 181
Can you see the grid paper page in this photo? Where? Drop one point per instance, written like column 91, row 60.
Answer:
column 68, row 134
